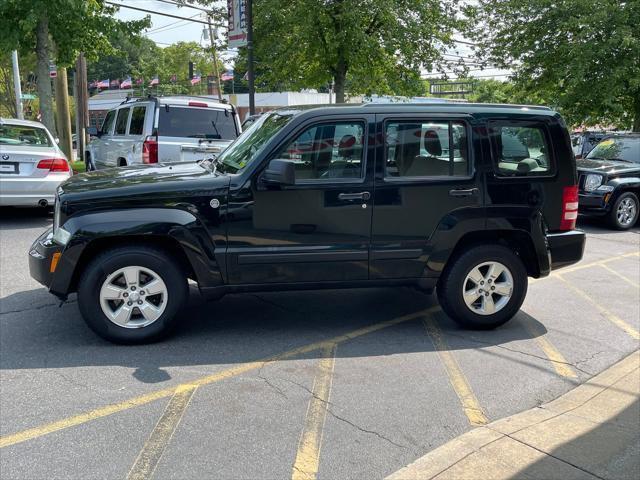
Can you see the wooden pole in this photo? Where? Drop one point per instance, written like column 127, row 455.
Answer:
column 64, row 118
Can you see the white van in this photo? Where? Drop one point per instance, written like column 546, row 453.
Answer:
column 162, row 130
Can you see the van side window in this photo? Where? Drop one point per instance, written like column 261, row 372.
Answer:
column 520, row 149
column 426, row 149
column 327, row 151
column 108, row 122
column 136, row 125
column 121, row 121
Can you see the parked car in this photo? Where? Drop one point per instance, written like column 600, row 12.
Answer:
column 610, row 180
column 162, row 130
column 31, row 164
column 583, row 142
column 350, row 196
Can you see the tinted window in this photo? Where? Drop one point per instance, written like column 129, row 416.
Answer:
column 108, row 122
column 327, row 151
column 121, row 121
column 626, row 149
column 195, row 122
column 137, row 120
column 426, row 149
column 520, row 149
column 24, row 135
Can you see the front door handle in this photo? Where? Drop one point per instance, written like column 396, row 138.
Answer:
column 354, row 196
column 463, row 192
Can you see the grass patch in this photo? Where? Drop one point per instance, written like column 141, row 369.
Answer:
column 78, row 166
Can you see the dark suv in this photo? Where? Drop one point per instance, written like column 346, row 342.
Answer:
column 468, row 199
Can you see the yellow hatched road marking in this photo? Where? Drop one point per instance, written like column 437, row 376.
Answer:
column 619, row 275
column 470, row 404
column 308, row 456
column 613, row 318
column 39, row 431
column 560, row 364
column 157, row 442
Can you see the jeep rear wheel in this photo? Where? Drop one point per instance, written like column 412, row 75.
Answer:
column 132, row 294
column 484, row 287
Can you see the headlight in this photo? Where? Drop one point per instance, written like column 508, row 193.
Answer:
column 592, row 182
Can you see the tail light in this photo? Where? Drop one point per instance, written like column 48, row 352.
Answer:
column 198, row 104
column 569, row 208
column 53, row 164
column 150, row 150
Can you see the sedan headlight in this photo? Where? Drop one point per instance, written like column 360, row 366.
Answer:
column 592, row 182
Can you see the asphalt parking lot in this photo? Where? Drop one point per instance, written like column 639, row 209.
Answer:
column 322, row 384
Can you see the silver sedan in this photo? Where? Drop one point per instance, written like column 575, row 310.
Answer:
column 31, row 164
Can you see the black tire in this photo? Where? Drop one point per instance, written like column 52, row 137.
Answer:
column 111, row 261
column 451, row 284
column 613, row 218
column 87, row 162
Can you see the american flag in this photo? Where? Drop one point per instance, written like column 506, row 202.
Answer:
column 126, row 83
column 196, row 79
column 154, row 81
column 94, row 84
column 103, row 83
column 115, row 83
column 139, row 81
column 226, row 76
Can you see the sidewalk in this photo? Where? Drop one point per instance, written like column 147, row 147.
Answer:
column 590, row 432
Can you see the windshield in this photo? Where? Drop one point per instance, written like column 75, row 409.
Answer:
column 24, row 135
column 238, row 154
column 626, row 149
column 187, row 122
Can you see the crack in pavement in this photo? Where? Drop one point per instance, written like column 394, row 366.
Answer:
column 268, row 382
column 39, row 307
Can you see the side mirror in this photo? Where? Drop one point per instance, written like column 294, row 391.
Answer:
column 93, row 131
column 279, row 172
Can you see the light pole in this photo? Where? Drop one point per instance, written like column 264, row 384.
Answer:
column 16, row 84
column 250, row 72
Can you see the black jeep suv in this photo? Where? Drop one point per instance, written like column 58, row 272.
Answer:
column 610, row 180
column 467, row 199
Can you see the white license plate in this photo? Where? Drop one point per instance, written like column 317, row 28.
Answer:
column 8, row 168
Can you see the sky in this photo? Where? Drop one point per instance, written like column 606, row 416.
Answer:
column 166, row 31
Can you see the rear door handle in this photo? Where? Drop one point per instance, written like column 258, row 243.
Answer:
column 354, row 196
column 463, row 192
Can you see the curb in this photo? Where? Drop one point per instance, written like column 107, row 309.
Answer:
column 530, row 440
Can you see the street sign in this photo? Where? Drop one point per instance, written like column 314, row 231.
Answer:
column 237, row 23
column 451, row 88
column 53, row 71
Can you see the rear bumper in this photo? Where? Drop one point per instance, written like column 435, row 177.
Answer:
column 40, row 257
column 27, row 192
column 565, row 248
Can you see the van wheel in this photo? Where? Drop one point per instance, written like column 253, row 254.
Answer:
column 122, row 162
column 87, row 162
column 484, row 287
column 624, row 213
column 132, row 294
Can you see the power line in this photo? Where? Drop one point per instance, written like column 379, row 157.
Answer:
column 156, row 13
column 170, row 2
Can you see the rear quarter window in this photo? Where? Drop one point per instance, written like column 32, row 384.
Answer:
column 197, row 122
column 520, row 149
column 136, row 126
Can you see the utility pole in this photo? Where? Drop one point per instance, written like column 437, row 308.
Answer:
column 17, row 89
column 250, row 72
column 62, row 108
column 216, row 70
column 82, row 106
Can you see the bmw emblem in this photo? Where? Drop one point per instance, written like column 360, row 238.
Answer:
column 215, row 203
column 5, row 157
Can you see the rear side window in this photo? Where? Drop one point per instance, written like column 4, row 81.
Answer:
column 108, row 122
column 520, row 149
column 136, row 126
column 426, row 149
column 121, row 121
column 209, row 123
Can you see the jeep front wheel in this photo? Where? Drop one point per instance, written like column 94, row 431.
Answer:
column 132, row 294
column 484, row 287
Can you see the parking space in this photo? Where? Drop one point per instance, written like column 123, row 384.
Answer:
column 320, row 384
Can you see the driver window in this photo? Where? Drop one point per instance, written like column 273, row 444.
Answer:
column 327, row 151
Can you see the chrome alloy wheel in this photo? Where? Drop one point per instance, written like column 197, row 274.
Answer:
column 626, row 212
column 133, row 297
column 487, row 288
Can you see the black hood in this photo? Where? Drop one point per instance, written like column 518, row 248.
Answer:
column 607, row 167
column 161, row 179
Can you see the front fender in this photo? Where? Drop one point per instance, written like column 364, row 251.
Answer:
column 180, row 226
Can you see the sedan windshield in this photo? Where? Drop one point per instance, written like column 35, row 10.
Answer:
column 239, row 153
column 24, row 136
column 622, row 149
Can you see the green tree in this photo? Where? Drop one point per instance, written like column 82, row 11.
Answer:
column 57, row 30
column 583, row 57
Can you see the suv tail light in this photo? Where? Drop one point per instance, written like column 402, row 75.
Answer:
column 150, row 150
column 569, row 208
column 53, row 165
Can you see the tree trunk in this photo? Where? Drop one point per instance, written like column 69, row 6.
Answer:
column 636, row 112
column 44, row 82
column 63, row 117
column 341, row 76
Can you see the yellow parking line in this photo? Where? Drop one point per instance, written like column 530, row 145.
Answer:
column 157, row 442
column 628, row 280
column 560, row 364
column 308, row 456
column 470, row 404
column 39, row 431
column 613, row 318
